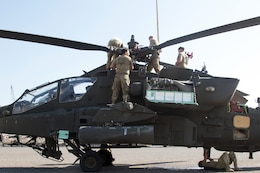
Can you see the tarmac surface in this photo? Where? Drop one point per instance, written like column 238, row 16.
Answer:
column 154, row 159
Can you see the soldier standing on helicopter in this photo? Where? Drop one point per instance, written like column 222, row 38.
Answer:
column 123, row 65
column 155, row 58
column 183, row 58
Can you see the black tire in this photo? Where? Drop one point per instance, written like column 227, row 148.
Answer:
column 106, row 155
column 91, row 161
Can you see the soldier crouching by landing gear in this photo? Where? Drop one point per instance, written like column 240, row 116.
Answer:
column 223, row 162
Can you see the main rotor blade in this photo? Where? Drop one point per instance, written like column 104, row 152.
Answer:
column 213, row 31
column 50, row 41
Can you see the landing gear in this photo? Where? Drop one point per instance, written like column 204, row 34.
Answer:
column 106, row 156
column 206, row 153
column 91, row 161
column 206, row 157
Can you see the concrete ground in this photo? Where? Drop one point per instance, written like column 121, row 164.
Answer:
column 155, row 159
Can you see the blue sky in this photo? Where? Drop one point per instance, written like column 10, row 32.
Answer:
column 26, row 65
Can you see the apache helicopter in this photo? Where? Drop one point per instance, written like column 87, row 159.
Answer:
column 178, row 107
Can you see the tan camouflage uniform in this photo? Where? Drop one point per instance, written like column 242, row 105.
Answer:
column 123, row 65
column 155, row 58
column 182, row 60
column 223, row 162
column 113, row 43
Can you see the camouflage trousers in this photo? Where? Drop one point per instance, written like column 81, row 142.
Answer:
column 121, row 81
column 154, row 63
column 223, row 162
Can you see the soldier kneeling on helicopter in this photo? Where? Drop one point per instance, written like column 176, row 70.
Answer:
column 223, row 162
column 114, row 43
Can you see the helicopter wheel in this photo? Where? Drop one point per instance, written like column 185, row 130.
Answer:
column 91, row 161
column 106, row 155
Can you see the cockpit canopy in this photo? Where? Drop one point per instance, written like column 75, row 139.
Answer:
column 65, row 90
